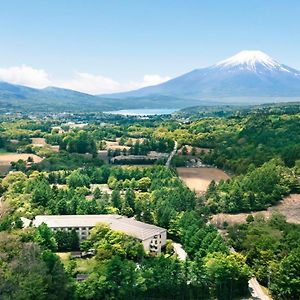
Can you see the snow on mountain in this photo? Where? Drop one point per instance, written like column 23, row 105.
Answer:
column 249, row 59
column 246, row 74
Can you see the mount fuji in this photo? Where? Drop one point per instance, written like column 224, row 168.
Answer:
column 249, row 77
column 246, row 75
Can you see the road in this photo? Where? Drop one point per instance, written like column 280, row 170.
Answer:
column 255, row 288
column 256, row 291
column 171, row 155
column 181, row 254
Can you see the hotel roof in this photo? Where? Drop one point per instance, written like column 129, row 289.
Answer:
column 137, row 229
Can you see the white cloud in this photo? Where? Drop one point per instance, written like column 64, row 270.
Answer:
column 91, row 84
column 81, row 81
column 98, row 84
column 148, row 80
column 25, row 75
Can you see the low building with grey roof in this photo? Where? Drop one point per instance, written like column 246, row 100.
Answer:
column 152, row 237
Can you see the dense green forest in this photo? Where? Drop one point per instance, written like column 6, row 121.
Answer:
column 272, row 250
column 158, row 197
column 258, row 146
column 256, row 190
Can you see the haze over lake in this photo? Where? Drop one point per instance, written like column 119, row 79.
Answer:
column 142, row 112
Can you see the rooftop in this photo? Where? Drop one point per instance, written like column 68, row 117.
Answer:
column 137, row 229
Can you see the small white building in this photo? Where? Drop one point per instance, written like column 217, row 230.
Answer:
column 152, row 237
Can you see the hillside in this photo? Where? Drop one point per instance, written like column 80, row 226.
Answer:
column 20, row 98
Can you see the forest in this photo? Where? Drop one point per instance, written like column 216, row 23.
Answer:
column 257, row 146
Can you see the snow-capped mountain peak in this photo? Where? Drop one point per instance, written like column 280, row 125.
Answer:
column 250, row 60
column 246, row 74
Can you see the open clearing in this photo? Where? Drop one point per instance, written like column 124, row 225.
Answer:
column 289, row 206
column 198, row 150
column 115, row 146
column 6, row 159
column 198, row 179
column 38, row 142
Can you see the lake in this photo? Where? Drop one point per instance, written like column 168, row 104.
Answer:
column 142, row 112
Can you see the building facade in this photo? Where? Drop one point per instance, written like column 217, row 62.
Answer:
column 152, row 237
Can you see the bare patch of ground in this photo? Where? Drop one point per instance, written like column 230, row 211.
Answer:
column 115, row 146
column 60, row 186
column 103, row 188
column 289, row 206
column 102, row 154
column 4, row 169
column 198, row 179
column 38, row 142
column 6, row 159
column 198, row 150
column 54, row 148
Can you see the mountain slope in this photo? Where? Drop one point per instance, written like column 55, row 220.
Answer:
column 247, row 74
column 20, row 98
column 24, row 99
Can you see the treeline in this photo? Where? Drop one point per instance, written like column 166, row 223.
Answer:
column 74, row 142
column 258, row 138
column 143, row 147
column 272, row 250
column 167, row 278
column 29, row 271
column 64, row 160
column 259, row 188
column 147, row 145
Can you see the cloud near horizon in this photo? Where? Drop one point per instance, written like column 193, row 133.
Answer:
column 91, row 84
column 25, row 75
column 148, row 80
column 80, row 81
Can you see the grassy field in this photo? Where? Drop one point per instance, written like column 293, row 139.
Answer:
column 198, row 179
column 64, row 256
column 290, row 207
column 83, row 265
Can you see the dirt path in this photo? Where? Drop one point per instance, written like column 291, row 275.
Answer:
column 256, row 290
column 181, row 254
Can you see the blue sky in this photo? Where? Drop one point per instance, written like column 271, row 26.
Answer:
column 103, row 46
